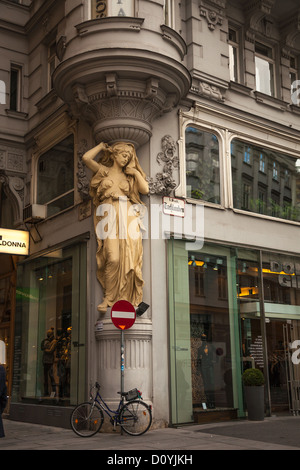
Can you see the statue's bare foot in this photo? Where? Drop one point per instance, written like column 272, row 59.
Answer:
column 102, row 307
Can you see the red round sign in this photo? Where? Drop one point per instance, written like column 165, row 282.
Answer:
column 123, row 314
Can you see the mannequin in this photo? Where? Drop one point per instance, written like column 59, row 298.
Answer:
column 206, row 369
column 48, row 347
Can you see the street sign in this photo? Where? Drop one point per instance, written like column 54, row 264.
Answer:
column 123, row 314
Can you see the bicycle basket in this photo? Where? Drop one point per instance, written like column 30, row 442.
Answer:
column 132, row 394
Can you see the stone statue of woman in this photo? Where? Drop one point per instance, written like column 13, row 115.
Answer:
column 115, row 188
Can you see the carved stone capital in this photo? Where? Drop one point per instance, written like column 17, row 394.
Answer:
column 126, row 84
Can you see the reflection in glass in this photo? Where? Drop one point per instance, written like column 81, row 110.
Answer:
column 202, row 165
column 264, row 181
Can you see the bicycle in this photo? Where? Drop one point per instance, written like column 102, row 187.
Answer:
column 134, row 417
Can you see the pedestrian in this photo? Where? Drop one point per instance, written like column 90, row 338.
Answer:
column 3, row 397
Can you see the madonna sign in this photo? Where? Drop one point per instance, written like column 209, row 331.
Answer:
column 14, row 242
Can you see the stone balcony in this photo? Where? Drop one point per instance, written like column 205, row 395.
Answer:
column 119, row 76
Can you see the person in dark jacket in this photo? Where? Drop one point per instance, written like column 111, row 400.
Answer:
column 3, row 397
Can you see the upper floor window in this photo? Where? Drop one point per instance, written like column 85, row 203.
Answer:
column 55, row 177
column 51, row 63
column 202, row 165
column 262, row 163
column 270, row 186
column 15, row 88
column 293, row 70
column 2, row 92
column 233, row 55
column 264, row 69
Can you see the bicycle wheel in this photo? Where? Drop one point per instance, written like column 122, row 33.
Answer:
column 86, row 419
column 135, row 417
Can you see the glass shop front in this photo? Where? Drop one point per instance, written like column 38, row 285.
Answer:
column 231, row 309
column 49, row 341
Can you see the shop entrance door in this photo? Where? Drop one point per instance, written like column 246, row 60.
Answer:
column 284, row 375
column 291, row 334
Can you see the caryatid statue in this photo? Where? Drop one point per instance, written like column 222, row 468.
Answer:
column 115, row 187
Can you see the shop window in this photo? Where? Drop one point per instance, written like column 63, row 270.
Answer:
column 49, row 331
column 264, row 69
column 202, row 165
column 55, row 177
column 270, row 185
column 201, row 345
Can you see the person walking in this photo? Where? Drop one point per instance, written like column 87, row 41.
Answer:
column 3, row 397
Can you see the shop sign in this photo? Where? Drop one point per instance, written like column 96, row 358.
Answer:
column 288, row 273
column 14, row 242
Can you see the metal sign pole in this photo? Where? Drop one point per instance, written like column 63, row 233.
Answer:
column 122, row 368
column 122, row 361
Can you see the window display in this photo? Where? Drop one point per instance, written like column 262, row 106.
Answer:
column 49, row 332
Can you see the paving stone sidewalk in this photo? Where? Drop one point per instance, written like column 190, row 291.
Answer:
column 274, row 433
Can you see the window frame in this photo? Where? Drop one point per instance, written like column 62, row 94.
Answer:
column 269, row 160
column 14, row 68
column 51, row 63
column 217, row 135
column 271, row 61
column 294, row 76
column 37, row 158
column 234, row 45
column 181, row 189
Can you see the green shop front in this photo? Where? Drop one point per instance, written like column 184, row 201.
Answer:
column 231, row 308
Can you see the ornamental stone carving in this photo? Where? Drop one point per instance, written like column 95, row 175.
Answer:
column 213, row 12
column 164, row 183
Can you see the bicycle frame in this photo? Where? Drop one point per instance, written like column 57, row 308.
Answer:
column 113, row 414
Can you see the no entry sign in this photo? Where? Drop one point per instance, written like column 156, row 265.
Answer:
column 123, row 314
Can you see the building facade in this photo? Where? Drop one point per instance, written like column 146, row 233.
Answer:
column 208, row 93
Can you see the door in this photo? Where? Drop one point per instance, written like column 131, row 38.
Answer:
column 283, row 368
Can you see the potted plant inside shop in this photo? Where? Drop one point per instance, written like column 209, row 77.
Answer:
column 253, row 381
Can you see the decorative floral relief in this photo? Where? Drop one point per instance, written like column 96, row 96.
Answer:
column 164, row 183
